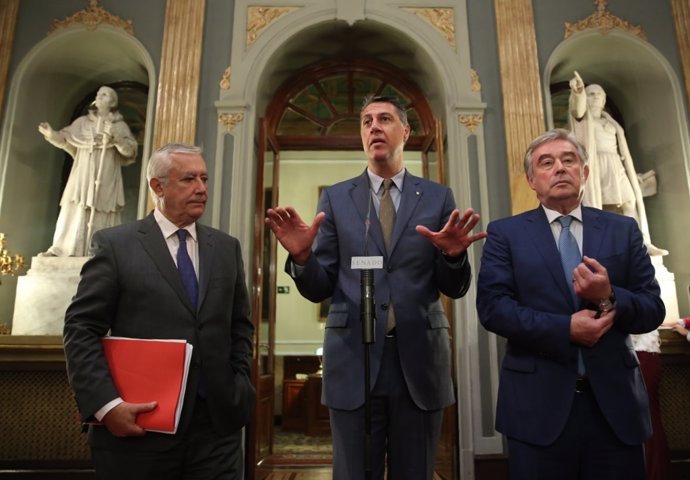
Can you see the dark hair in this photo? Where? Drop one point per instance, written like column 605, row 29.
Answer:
column 402, row 113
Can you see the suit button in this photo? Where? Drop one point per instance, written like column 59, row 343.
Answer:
column 389, row 269
column 384, row 306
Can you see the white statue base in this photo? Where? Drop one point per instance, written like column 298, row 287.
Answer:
column 667, row 283
column 44, row 294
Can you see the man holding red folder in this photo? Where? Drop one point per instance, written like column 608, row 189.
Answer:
column 165, row 277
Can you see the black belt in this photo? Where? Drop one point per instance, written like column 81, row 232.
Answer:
column 582, row 385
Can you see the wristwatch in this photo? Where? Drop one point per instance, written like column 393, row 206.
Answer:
column 607, row 304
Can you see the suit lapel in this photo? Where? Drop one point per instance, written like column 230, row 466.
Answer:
column 544, row 243
column 154, row 244
column 206, row 255
column 591, row 232
column 409, row 198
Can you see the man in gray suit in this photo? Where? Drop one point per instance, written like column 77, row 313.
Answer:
column 132, row 287
column 424, row 256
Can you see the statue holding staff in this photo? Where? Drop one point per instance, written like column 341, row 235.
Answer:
column 100, row 144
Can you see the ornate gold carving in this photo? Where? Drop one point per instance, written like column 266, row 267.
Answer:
column 9, row 265
column 92, row 17
column 476, row 84
column 471, row 122
column 442, row 19
column 230, row 120
column 604, row 21
column 225, row 80
column 259, row 18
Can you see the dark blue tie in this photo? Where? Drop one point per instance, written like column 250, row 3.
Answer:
column 570, row 258
column 186, row 268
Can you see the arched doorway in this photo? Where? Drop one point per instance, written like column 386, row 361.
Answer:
column 313, row 119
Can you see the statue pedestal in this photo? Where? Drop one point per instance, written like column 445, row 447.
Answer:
column 44, row 294
column 667, row 283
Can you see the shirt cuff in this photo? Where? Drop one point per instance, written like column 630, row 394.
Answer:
column 103, row 411
column 295, row 270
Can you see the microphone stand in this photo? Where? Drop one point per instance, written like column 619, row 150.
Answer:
column 368, row 318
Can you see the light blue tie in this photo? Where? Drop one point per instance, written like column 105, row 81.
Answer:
column 570, row 258
column 570, row 253
column 186, row 268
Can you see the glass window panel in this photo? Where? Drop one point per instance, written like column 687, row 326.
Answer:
column 294, row 123
column 310, row 101
column 363, row 85
column 347, row 127
column 415, row 124
column 338, row 92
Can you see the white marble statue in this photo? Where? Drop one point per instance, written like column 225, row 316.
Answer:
column 612, row 180
column 100, row 144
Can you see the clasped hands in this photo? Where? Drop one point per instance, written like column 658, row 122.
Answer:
column 591, row 282
column 297, row 237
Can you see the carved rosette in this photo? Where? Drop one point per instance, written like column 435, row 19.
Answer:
column 230, row 120
column 91, row 18
column 225, row 80
column 442, row 19
column 259, row 18
column 604, row 21
column 471, row 122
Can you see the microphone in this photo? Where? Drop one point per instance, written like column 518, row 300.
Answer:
column 367, row 311
column 367, row 302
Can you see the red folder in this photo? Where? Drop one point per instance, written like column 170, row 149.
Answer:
column 145, row 370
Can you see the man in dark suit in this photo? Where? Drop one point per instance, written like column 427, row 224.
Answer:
column 571, row 401
column 424, row 256
column 132, row 287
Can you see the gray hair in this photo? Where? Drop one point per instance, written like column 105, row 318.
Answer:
column 551, row 136
column 399, row 107
column 160, row 163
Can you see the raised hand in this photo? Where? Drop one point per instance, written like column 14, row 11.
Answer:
column 455, row 237
column 292, row 232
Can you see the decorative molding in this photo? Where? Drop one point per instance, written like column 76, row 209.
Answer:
column 604, row 21
column 178, row 87
column 8, row 24
column 521, row 86
column 476, row 84
column 230, row 120
column 225, row 80
column 259, row 18
column 442, row 19
column 92, row 17
column 681, row 19
column 471, row 122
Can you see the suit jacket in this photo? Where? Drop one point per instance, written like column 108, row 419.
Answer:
column 132, row 287
column 414, row 275
column 523, row 296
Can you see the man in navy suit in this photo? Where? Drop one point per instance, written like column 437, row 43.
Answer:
column 410, row 367
column 571, row 401
column 133, row 287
